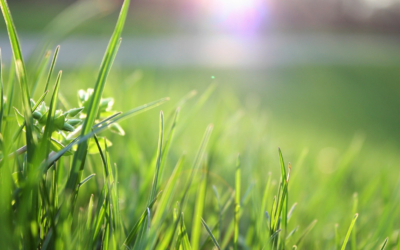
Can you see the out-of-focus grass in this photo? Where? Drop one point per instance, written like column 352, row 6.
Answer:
column 330, row 101
column 337, row 125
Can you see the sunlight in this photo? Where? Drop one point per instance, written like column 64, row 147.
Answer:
column 237, row 15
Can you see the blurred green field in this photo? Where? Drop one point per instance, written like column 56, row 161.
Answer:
column 337, row 125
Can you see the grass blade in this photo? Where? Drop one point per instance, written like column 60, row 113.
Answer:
column 219, row 223
column 349, row 232
column 384, row 243
column 10, row 94
column 292, row 232
column 237, row 204
column 275, row 234
column 53, row 63
column 86, row 179
column 90, row 214
column 306, row 231
column 230, row 231
column 159, row 154
column 94, row 103
column 135, row 229
column 283, row 168
column 198, row 213
column 101, row 211
column 337, row 237
column 398, row 241
column 163, row 206
column 289, row 215
column 353, row 233
column 45, row 147
column 41, row 98
column 184, row 236
column 264, row 204
column 168, row 142
column 1, row 93
column 196, row 163
column 210, row 233
column 21, row 74
column 40, row 71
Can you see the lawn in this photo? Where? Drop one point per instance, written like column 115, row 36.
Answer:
column 206, row 171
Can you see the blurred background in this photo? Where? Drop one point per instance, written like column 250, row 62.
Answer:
column 326, row 65
column 321, row 71
column 317, row 76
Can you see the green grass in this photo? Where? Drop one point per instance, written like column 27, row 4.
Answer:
column 76, row 174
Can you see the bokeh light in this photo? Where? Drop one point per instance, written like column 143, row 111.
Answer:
column 243, row 16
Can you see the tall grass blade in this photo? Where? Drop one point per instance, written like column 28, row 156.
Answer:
column 94, row 102
column 186, row 98
column 184, row 236
column 53, row 63
column 230, row 231
column 10, row 88
column 354, row 231
column 168, row 142
column 200, row 102
column 22, row 77
column 45, row 147
column 398, row 241
column 292, row 232
column 198, row 213
column 275, row 234
column 139, row 243
column 346, row 239
column 237, row 204
column 135, row 229
column 40, row 71
column 1, row 92
column 384, row 243
column 164, row 204
column 219, row 223
column 86, row 179
column 39, row 101
column 159, row 155
column 264, row 203
column 199, row 156
column 118, row 225
column 306, row 231
column 283, row 168
column 289, row 215
column 210, row 233
column 102, row 206
column 337, row 237
column 90, row 215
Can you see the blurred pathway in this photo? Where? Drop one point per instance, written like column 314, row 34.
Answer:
column 225, row 51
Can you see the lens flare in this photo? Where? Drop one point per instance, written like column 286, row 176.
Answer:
column 238, row 15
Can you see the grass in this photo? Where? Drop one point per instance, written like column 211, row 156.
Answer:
column 70, row 180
